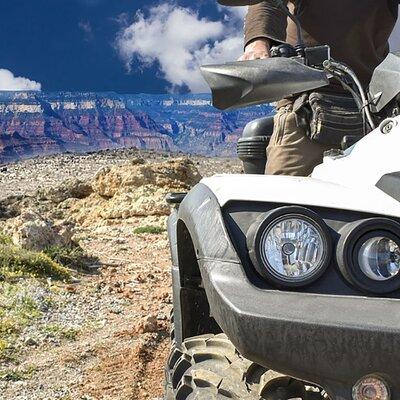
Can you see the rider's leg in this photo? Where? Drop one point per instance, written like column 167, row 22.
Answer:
column 290, row 151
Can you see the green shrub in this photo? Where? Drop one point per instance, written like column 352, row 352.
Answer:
column 17, row 309
column 3, row 345
column 55, row 330
column 4, row 239
column 11, row 376
column 154, row 230
column 70, row 257
column 15, row 261
column 15, row 375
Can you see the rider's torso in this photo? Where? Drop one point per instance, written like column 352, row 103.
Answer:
column 357, row 30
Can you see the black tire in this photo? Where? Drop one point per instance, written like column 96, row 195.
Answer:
column 209, row 367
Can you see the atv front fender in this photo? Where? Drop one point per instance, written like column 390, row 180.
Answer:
column 189, row 230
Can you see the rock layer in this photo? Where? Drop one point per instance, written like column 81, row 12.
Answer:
column 34, row 123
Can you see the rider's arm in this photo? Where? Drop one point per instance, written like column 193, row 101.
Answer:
column 266, row 23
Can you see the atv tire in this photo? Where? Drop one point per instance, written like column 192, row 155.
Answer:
column 208, row 367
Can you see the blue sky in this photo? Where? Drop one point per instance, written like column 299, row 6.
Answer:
column 127, row 46
column 97, row 45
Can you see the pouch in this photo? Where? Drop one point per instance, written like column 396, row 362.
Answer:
column 328, row 118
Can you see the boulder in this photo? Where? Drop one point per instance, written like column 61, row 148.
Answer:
column 32, row 231
column 137, row 189
column 176, row 174
column 70, row 189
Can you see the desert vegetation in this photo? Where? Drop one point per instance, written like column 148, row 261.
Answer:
column 85, row 273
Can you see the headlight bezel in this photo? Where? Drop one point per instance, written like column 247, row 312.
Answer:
column 352, row 238
column 263, row 224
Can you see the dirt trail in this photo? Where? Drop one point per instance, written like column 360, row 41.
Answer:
column 112, row 358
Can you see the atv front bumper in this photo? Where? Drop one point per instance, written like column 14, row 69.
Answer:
column 331, row 341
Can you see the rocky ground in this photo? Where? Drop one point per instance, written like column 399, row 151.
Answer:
column 105, row 333
column 26, row 177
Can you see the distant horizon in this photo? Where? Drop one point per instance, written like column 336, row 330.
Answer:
column 106, row 91
column 36, row 123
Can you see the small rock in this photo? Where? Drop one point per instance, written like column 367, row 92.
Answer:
column 71, row 289
column 116, row 310
column 129, row 293
column 162, row 317
column 147, row 324
column 31, row 342
column 140, row 279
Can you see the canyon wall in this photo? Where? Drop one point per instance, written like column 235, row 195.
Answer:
column 36, row 123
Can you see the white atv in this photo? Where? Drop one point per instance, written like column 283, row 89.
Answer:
column 289, row 287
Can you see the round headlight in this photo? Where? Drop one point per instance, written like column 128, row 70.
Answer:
column 289, row 246
column 379, row 258
column 368, row 255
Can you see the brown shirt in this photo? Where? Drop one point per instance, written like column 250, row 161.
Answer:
column 357, row 30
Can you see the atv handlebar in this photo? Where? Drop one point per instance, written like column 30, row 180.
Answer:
column 338, row 69
column 317, row 57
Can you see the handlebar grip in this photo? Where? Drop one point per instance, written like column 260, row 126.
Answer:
column 283, row 50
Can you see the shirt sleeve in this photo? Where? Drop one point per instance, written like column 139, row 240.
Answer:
column 265, row 20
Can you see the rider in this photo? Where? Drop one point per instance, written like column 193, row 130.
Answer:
column 357, row 32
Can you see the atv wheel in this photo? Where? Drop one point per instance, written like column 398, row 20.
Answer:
column 209, row 367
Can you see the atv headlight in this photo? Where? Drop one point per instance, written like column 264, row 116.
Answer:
column 379, row 258
column 368, row 255
column 289, row 246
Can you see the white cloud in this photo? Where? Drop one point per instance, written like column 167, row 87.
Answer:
column 238, row 12
column 10, row 82
column 179, row 41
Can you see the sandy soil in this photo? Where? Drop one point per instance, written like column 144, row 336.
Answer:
column 121, row 311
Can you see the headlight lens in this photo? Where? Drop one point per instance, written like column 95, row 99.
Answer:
column 292, row 247
column 368, row 254
column 379, row 258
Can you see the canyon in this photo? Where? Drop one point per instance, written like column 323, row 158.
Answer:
column 38, row 123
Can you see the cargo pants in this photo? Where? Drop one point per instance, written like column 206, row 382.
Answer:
column 290, row 151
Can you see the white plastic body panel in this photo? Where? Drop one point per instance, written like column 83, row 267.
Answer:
column 366, row 162
column 346, row 183
column 300, row 191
